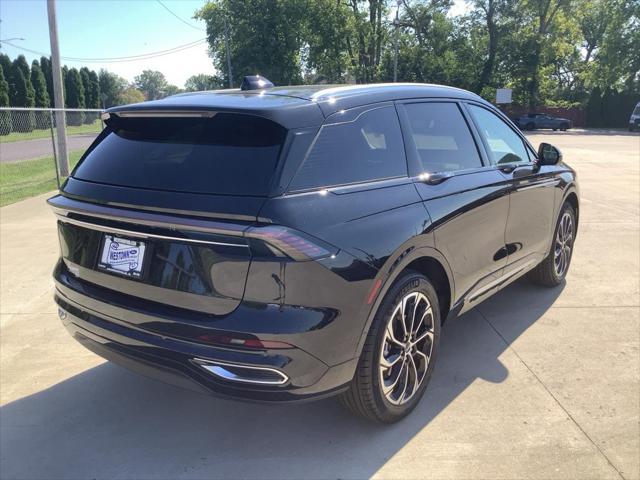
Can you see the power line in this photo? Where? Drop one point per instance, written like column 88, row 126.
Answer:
column 180, row 18
column 130, row 58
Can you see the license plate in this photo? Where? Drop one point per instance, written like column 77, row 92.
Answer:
column 122, row 256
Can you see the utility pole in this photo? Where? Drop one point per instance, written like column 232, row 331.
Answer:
column 226, row 47
column 58, row 95
column 396, row 24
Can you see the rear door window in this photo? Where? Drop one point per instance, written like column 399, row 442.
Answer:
column 229, row 154
column 441, row 137
column 365, row 149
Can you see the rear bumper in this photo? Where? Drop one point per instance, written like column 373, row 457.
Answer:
column 292, row 373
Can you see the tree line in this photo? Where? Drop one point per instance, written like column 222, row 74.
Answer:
column 31, row 86
column 562, row 53
column 550, row 52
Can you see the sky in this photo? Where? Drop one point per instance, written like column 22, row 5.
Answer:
column 111, row 28
column 99, row 29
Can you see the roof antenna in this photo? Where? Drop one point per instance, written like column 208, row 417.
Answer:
column 255, row 82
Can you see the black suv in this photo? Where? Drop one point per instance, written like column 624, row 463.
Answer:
column 289, row 243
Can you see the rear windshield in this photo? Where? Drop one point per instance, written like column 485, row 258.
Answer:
column 229, row 154
column 637, row 110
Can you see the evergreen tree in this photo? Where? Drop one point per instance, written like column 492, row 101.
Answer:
column 5, row 63
column 21, row 63
column 45, row 66
column 41, row 95
column 65, row 73
column 29, row 98
column 111, row 87
column 607, row 108
column 85, row 76
column 39, row 85
column 93, row 99
column 594, row 109
column 75, row 97
column 21, row 96
column 5, row 118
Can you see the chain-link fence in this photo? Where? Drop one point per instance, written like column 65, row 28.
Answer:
column 29, row 148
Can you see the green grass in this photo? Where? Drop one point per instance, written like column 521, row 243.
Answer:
column 95, row 127
column 27, row 178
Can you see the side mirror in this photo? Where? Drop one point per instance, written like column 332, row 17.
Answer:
column 548, row 154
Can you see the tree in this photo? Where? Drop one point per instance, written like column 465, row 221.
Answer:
column 617, row 59
column 264, row 37
column 64, row 71
column 327, row 32
column 93, row 94
column 39, row 86
column 152, row 83
column 111, row 87
column 201, row 82
column 365, row 50
column 130, row 95
column 21, row 63
column 5, row 118
column 85, row 78
column 493, row 19
column 45, row 66
column 43, row 120
column 21, row 96
column 594, row 109
column 5, row 63
column 171, row 90
column 545, row 16
column 75, row 96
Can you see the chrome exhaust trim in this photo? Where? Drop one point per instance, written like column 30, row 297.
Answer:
column 243, row 373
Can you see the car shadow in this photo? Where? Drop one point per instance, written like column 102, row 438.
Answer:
column 109, row 423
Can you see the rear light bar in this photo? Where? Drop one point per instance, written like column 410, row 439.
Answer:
column 292, row 243
column 106, row 116
column 297, row 245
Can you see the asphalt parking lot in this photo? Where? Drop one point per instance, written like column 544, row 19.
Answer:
column 534, row 383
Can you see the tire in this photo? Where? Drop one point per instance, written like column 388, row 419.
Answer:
column 365, row 396
column 555, row 129
column 530, row 126
column 553, row 269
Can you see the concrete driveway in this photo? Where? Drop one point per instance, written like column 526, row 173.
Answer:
column 41, row 147
column 534, row 383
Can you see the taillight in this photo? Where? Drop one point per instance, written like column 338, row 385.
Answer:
column 292, row 243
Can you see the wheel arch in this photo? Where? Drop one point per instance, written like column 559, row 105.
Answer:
column 572, row 199
column 427, row 261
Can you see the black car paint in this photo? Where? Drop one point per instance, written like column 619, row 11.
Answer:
column 480, row 229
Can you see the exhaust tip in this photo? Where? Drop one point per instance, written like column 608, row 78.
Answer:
column 243, row 373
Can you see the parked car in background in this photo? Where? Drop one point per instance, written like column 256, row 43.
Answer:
column 534, row 121
column 280, row 244
column 634, row 119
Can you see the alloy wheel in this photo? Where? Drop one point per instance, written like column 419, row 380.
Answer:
column 563, row 245
column 407, row 347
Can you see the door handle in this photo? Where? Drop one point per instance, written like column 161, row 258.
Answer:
column 434, row 178
column 519, row 171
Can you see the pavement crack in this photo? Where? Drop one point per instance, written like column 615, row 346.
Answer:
column 509, row 347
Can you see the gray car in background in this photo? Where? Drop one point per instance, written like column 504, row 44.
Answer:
column 533, row 121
